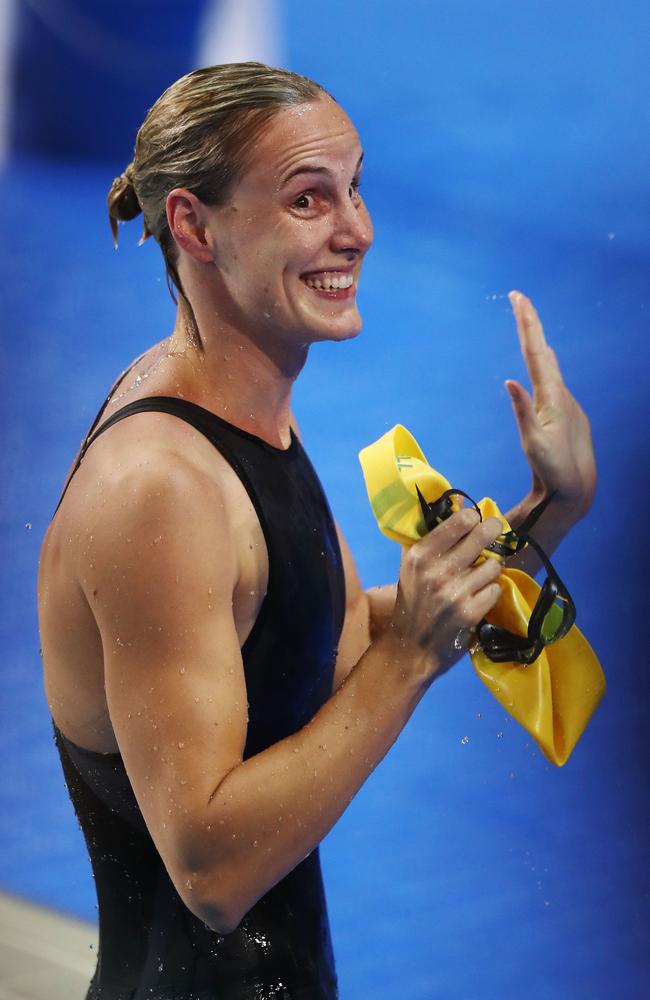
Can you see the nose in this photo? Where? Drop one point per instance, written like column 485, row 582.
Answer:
column 353, row 232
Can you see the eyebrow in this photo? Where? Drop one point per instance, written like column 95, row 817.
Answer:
column 307, row 168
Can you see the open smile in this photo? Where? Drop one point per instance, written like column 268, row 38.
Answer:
column 331, row 284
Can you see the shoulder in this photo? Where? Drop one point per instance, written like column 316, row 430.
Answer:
column 155, row 456
column 150, row 475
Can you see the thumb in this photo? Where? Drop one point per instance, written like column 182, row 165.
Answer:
column 522, row 404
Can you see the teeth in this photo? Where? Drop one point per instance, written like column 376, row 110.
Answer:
column 328, row 283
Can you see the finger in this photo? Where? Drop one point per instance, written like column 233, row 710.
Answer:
column 447, row 534
column 554, row 366
column 468, row 549
column 484, row 601
column 532, row 341
column 523, row 407
column 481, row 576
column 476, row 606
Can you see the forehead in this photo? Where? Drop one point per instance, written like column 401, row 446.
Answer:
column 318, row 133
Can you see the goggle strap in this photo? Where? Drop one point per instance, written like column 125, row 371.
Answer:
column 440, row 509
column 535, row 514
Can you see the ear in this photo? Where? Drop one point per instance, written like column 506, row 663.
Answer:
column 186, row 218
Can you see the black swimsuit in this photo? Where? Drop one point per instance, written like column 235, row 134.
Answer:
column 150, row 945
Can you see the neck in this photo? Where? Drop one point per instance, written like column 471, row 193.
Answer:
column 227, row 370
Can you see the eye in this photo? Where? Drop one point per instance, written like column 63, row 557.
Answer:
column 354, row 188
column 304, row 201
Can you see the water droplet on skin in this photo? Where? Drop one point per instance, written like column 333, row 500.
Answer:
column 458, row 641
column 188, row 884
column 180, row 744
column 182, row 670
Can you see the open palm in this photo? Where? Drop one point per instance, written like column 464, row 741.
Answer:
column 554, row 429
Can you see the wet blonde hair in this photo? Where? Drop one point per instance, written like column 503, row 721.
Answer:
column 198, row 136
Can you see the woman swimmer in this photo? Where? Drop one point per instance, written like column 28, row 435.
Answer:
column 221, row 687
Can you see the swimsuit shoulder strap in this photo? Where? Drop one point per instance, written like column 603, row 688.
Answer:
column 206, row 422
column 91, row 432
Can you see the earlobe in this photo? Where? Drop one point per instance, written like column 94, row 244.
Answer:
column 185, row 218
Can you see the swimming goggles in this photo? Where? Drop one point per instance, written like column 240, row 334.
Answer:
column 554, row 612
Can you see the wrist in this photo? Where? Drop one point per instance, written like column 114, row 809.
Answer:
column 564, row 511
column 407, row 658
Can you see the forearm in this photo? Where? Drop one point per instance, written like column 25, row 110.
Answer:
column 381, row 605
column 273, row 809
column 552, row 526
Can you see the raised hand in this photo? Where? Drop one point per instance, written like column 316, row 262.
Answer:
column 554, row 429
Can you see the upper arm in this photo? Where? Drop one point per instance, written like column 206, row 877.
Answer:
column 159, row 573
column 355, row 635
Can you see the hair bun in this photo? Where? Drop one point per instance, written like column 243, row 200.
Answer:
column 123, row 203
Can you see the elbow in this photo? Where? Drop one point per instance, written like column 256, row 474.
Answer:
column 218, row 885
column 215, row 913
column 218, row 919
column 211, row 904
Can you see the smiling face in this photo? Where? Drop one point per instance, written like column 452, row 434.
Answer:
column 289, row 243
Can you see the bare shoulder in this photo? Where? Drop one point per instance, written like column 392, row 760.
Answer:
column 148, row 467
column 156, row 493
column 155, row 533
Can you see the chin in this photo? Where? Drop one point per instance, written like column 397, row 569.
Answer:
column 340, row 330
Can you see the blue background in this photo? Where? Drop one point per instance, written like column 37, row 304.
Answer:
column 506, row 147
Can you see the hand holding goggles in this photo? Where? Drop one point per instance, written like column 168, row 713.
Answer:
column 554, row 612
column 529, row 653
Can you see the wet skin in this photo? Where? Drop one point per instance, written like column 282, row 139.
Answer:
column 145, row 561
column 296, row 215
